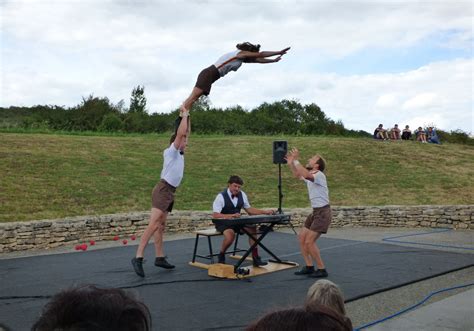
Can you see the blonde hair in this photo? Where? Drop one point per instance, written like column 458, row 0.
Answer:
column 324, row 292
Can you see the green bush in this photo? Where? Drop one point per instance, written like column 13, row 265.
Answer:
column 93, row 114
column 111, row 123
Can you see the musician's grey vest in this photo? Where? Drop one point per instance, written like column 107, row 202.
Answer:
column 229, row 207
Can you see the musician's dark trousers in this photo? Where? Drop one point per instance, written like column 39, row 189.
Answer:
column 229, row 236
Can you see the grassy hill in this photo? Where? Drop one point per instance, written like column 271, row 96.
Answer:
column 46, row 176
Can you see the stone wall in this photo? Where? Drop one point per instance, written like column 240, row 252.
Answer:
column 45, row 234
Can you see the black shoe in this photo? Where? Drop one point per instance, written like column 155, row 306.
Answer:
column 257, row 262
column 306, row 270
column 320, row 273
column 221, row 258
column 162, row 263
column 137, row 263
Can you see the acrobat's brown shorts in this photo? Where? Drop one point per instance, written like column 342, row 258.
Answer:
column 163, row 196
column 206, row 78
column 319, row 220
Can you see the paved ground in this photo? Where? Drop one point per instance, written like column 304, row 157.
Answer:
column 431, row 315
column 441, row 312
column 452, row 313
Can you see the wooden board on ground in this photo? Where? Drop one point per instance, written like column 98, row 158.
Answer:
column 238, row 257
column 220, row 270
column 200, row 265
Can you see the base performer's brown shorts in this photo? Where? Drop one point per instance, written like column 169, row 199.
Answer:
column 206, row 78
column 162, row 197
column 319, row 220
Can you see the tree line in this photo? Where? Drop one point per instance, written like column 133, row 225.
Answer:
column 99, row 114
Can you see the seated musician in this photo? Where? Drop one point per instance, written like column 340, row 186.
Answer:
column 228, row 204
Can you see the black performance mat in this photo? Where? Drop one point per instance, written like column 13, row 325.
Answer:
column 188, row 299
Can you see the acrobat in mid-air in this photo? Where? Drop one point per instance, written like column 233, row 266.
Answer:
column 245, row 53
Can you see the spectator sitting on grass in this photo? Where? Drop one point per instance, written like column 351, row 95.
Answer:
column 406, row 134
column 395, row 133
column 432, row 136
column 380, row 133
column 420, row 134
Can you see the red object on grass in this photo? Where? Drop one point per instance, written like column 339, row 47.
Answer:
column 133, row 237
column 78, row 247
column 124, row 241
column 84, row 247
column 116, row 238
column 92, row 242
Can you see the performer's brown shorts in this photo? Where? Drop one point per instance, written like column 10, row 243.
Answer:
column 319, row 220
column 206, row 78
column 163, row 196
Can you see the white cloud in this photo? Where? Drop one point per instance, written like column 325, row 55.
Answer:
column 386, row 101
column 55, row 52
column 358, row 99
column 421, row 101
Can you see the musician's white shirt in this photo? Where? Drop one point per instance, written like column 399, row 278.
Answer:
column 219, row 201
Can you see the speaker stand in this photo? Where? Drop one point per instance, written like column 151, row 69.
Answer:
column 280, row 195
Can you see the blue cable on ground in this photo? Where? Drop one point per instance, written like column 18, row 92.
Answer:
column 391, row 239
column 411, row 307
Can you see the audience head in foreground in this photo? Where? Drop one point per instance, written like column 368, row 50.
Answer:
column 302, row 319
column 326, row 293
column 93, row 309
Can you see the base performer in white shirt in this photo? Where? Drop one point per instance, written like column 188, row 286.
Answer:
column 163, row 196
column 318, row 221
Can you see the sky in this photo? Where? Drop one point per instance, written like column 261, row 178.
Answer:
column 362, row 62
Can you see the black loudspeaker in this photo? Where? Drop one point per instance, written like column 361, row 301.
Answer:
column 280, row 148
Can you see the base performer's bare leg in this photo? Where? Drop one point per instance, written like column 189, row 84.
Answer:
column 313, row 249
column 302, row 237
column 157, row 217
column 158, row 236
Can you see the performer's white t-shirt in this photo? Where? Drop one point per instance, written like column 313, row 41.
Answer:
column 233, row 65
column 173, row 166
column 318, row 190
column 219, row 202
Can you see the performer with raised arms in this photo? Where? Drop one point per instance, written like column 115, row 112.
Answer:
column 318, row 221
column 163, row 196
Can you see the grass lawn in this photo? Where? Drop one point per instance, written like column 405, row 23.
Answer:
column 45, row 176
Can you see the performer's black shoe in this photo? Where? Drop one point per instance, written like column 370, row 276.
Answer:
column 257, row 262
column 221, row 258
column 137, row 263
column 320, row 273
column 306, row 270
column 162, row 263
